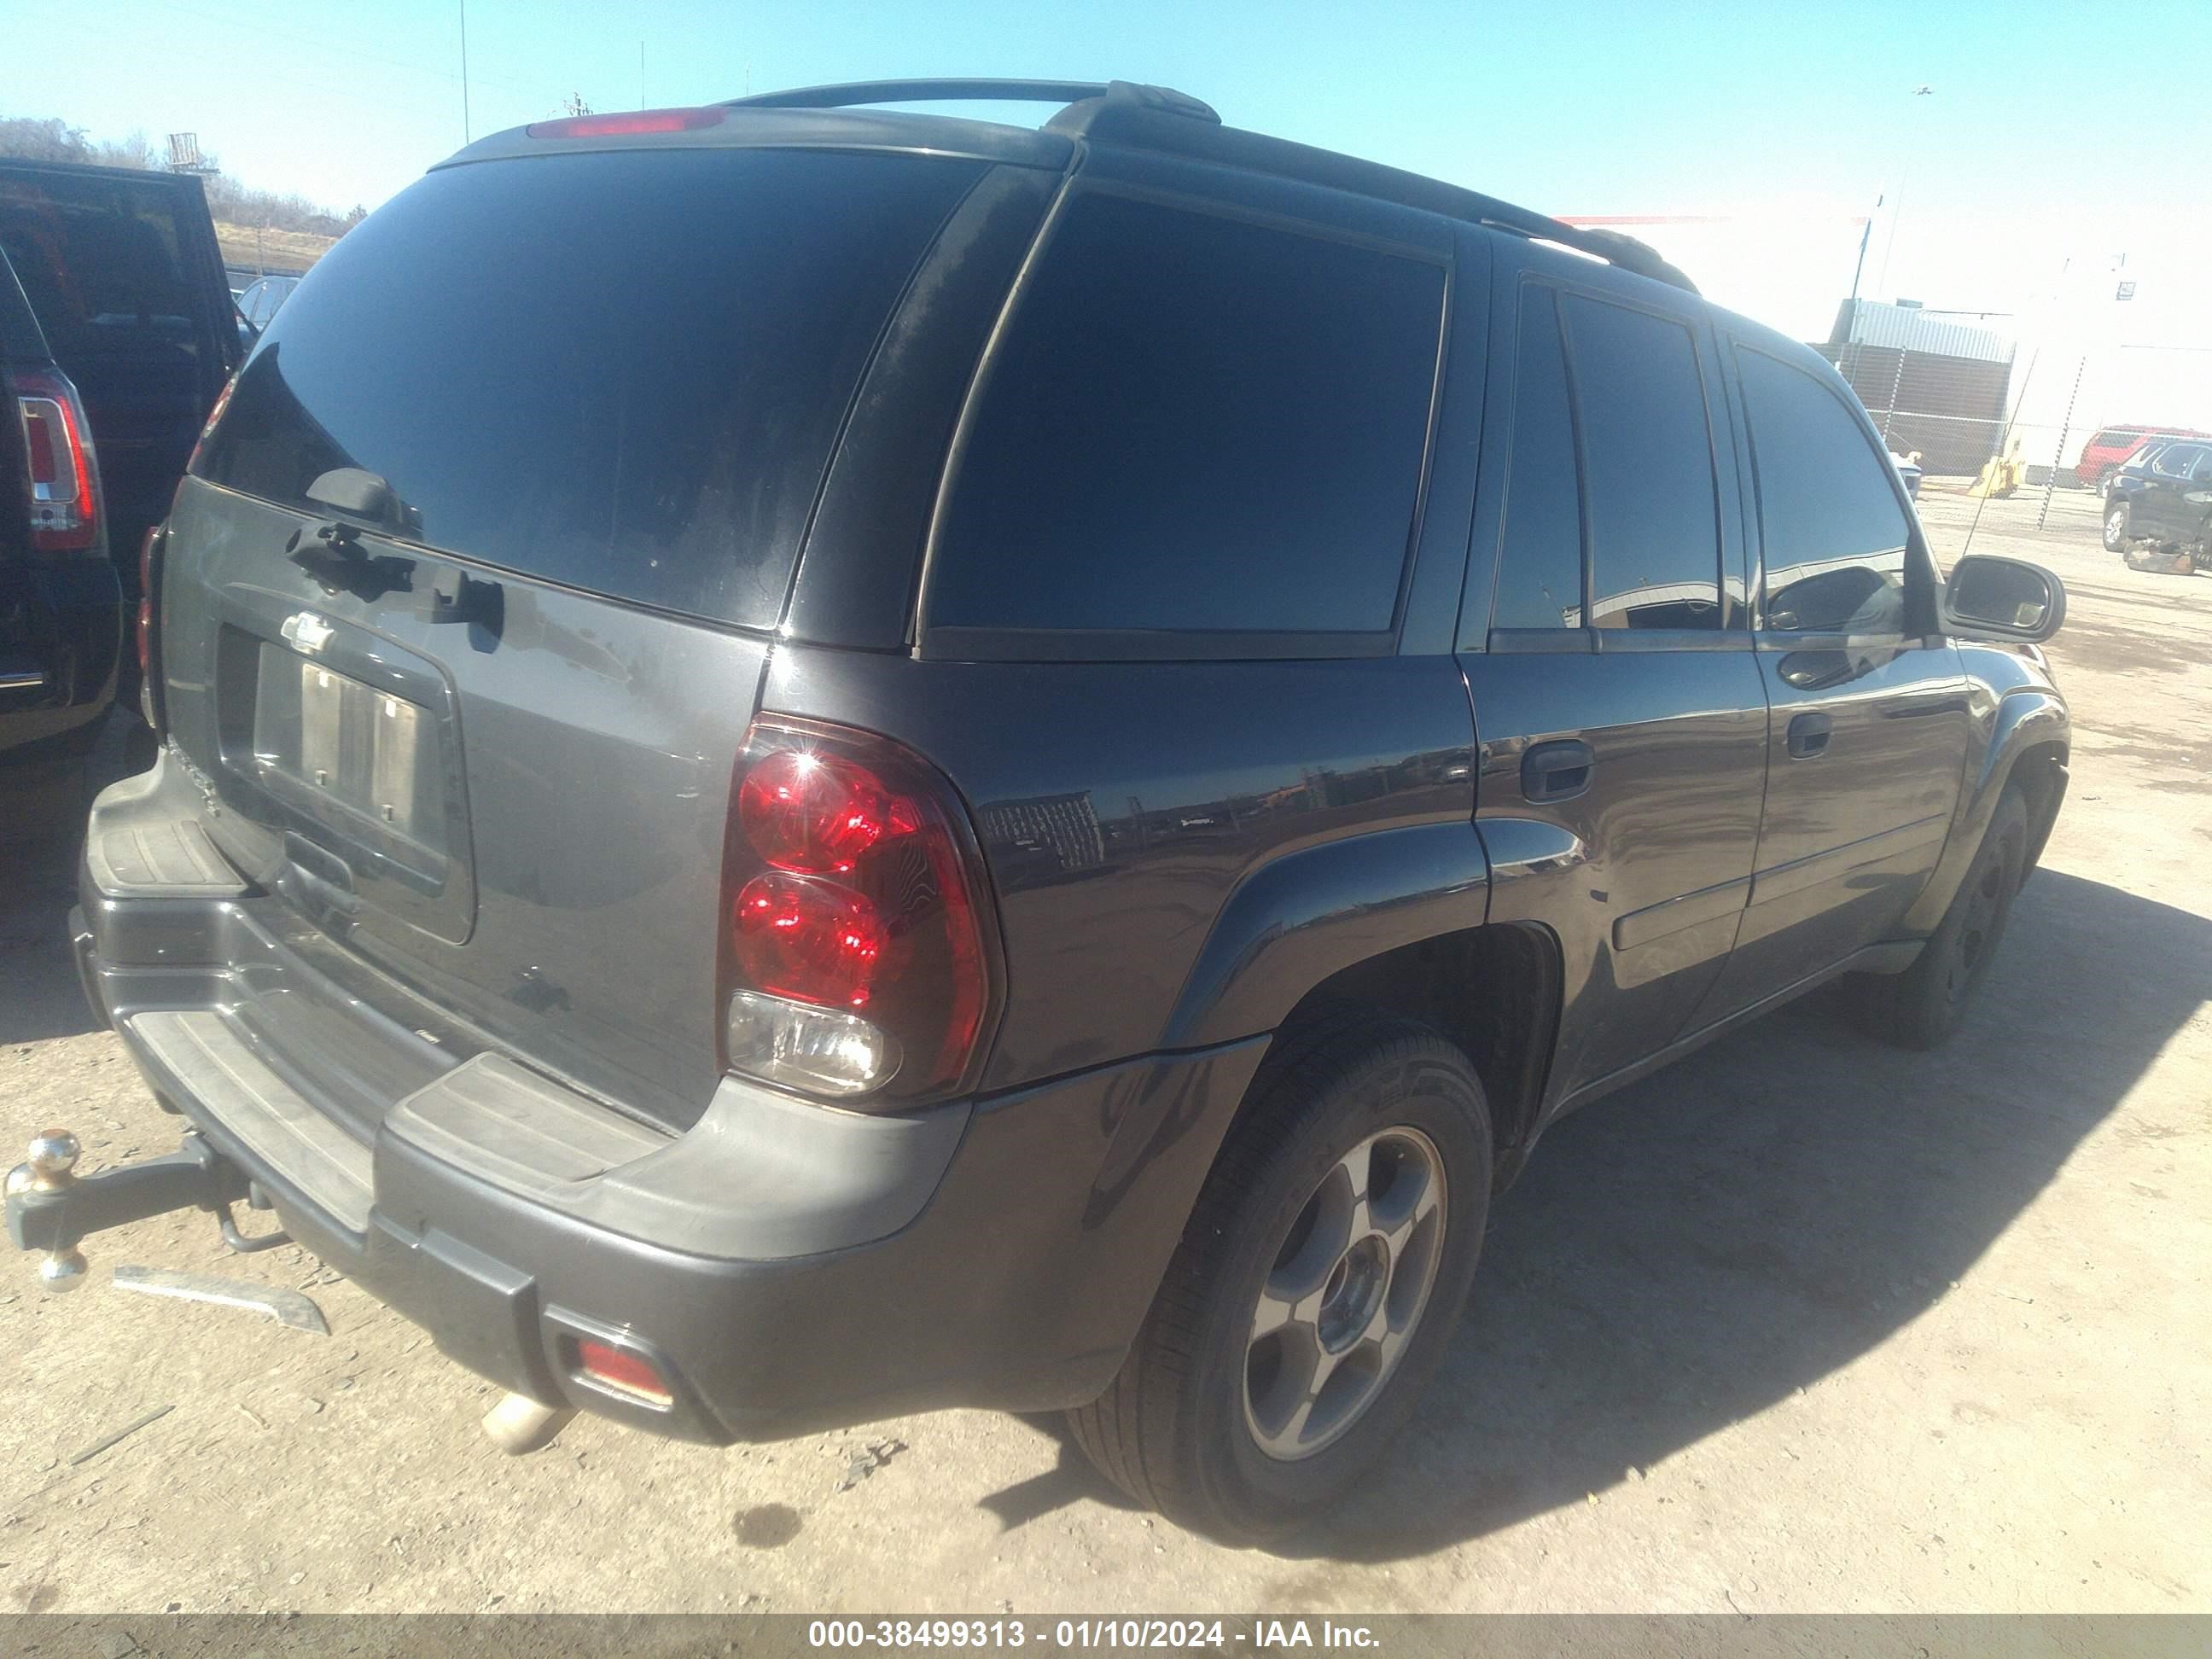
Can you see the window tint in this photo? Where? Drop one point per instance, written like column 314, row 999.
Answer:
column 1833, row 533
column 621, row 370
column 1539, row 571
column 104, row 264
column 2174, row 460
column 1647, row 469
column 1196, row 424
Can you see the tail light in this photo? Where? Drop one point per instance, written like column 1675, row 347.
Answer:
column 150, row 602
column 621, row 122
column 857, row 941
column 65, row 515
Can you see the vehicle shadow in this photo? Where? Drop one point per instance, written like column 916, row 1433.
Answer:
column 42, row 812
column 1687, row 1252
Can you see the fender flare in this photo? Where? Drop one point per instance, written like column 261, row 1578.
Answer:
column 2027, row 717
column 1296, row 920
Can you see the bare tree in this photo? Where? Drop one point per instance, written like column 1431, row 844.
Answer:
column 51, row 139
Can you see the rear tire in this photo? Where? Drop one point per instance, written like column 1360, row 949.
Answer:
column 1921, row 1007
column 1240, row 1432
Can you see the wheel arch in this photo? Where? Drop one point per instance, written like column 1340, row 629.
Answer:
column 2040, row 771
column 2030, row 742
column 1493, row 992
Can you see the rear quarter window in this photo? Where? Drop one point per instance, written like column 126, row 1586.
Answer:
column 622, row 372
column 1199, row 424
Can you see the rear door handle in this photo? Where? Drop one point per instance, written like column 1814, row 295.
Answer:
column 1556, row 771
column 1808, row 736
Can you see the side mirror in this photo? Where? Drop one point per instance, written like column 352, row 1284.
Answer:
column 1991, row 597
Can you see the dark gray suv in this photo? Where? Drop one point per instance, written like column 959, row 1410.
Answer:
column 1027, row 789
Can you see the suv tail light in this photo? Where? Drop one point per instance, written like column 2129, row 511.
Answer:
column 64, row 474
column 858, row 947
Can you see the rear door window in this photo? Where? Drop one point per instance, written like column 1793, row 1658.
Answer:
column 1198, row 424
column 1833, row 535
column 1649, row 493
column 1540, row 573
column 620, row 371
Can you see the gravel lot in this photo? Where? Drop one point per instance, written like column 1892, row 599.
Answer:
column 1801, row 1324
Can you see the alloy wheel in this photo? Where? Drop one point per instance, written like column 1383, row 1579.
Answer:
column 1350, row 1283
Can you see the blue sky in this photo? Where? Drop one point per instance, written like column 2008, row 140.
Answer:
column 1595, row 107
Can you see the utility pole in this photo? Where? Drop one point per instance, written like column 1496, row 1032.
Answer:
column 1897, row 211
column 1850, row 351
column 465, row 134
column 641, row 74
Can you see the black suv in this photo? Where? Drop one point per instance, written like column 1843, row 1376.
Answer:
column 1027, row 788
column 122, row 269
column 2158, row 507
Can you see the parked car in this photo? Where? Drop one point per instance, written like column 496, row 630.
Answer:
column 2111, row 446
column 1908, row 470
column 2158, row 508
column 1025, row 784
column 61, row 607
column 259, row 303
column 121, row 268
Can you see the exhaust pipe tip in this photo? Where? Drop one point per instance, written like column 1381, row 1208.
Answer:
column 520, row 1425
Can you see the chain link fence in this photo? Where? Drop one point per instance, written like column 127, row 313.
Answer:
column 1988, row 405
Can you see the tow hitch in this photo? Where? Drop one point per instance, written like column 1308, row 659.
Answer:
column 51, row 1208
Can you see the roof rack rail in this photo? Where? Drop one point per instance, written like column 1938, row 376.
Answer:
column 1629, row 252
column 1134, row 123
column 1130, row 113
column 847, row 94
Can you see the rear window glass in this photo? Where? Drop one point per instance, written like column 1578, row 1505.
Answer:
column 1198, row 424
column 620, row 371
column 105, row 266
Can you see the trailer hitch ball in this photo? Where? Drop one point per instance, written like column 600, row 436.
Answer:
column 52, row 1168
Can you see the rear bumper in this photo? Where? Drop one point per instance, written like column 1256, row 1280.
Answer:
column 785, row 1266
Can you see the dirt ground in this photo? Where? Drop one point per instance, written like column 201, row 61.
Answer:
column 1801, row 1324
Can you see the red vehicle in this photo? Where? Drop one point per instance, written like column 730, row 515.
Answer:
column 2110, row 445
